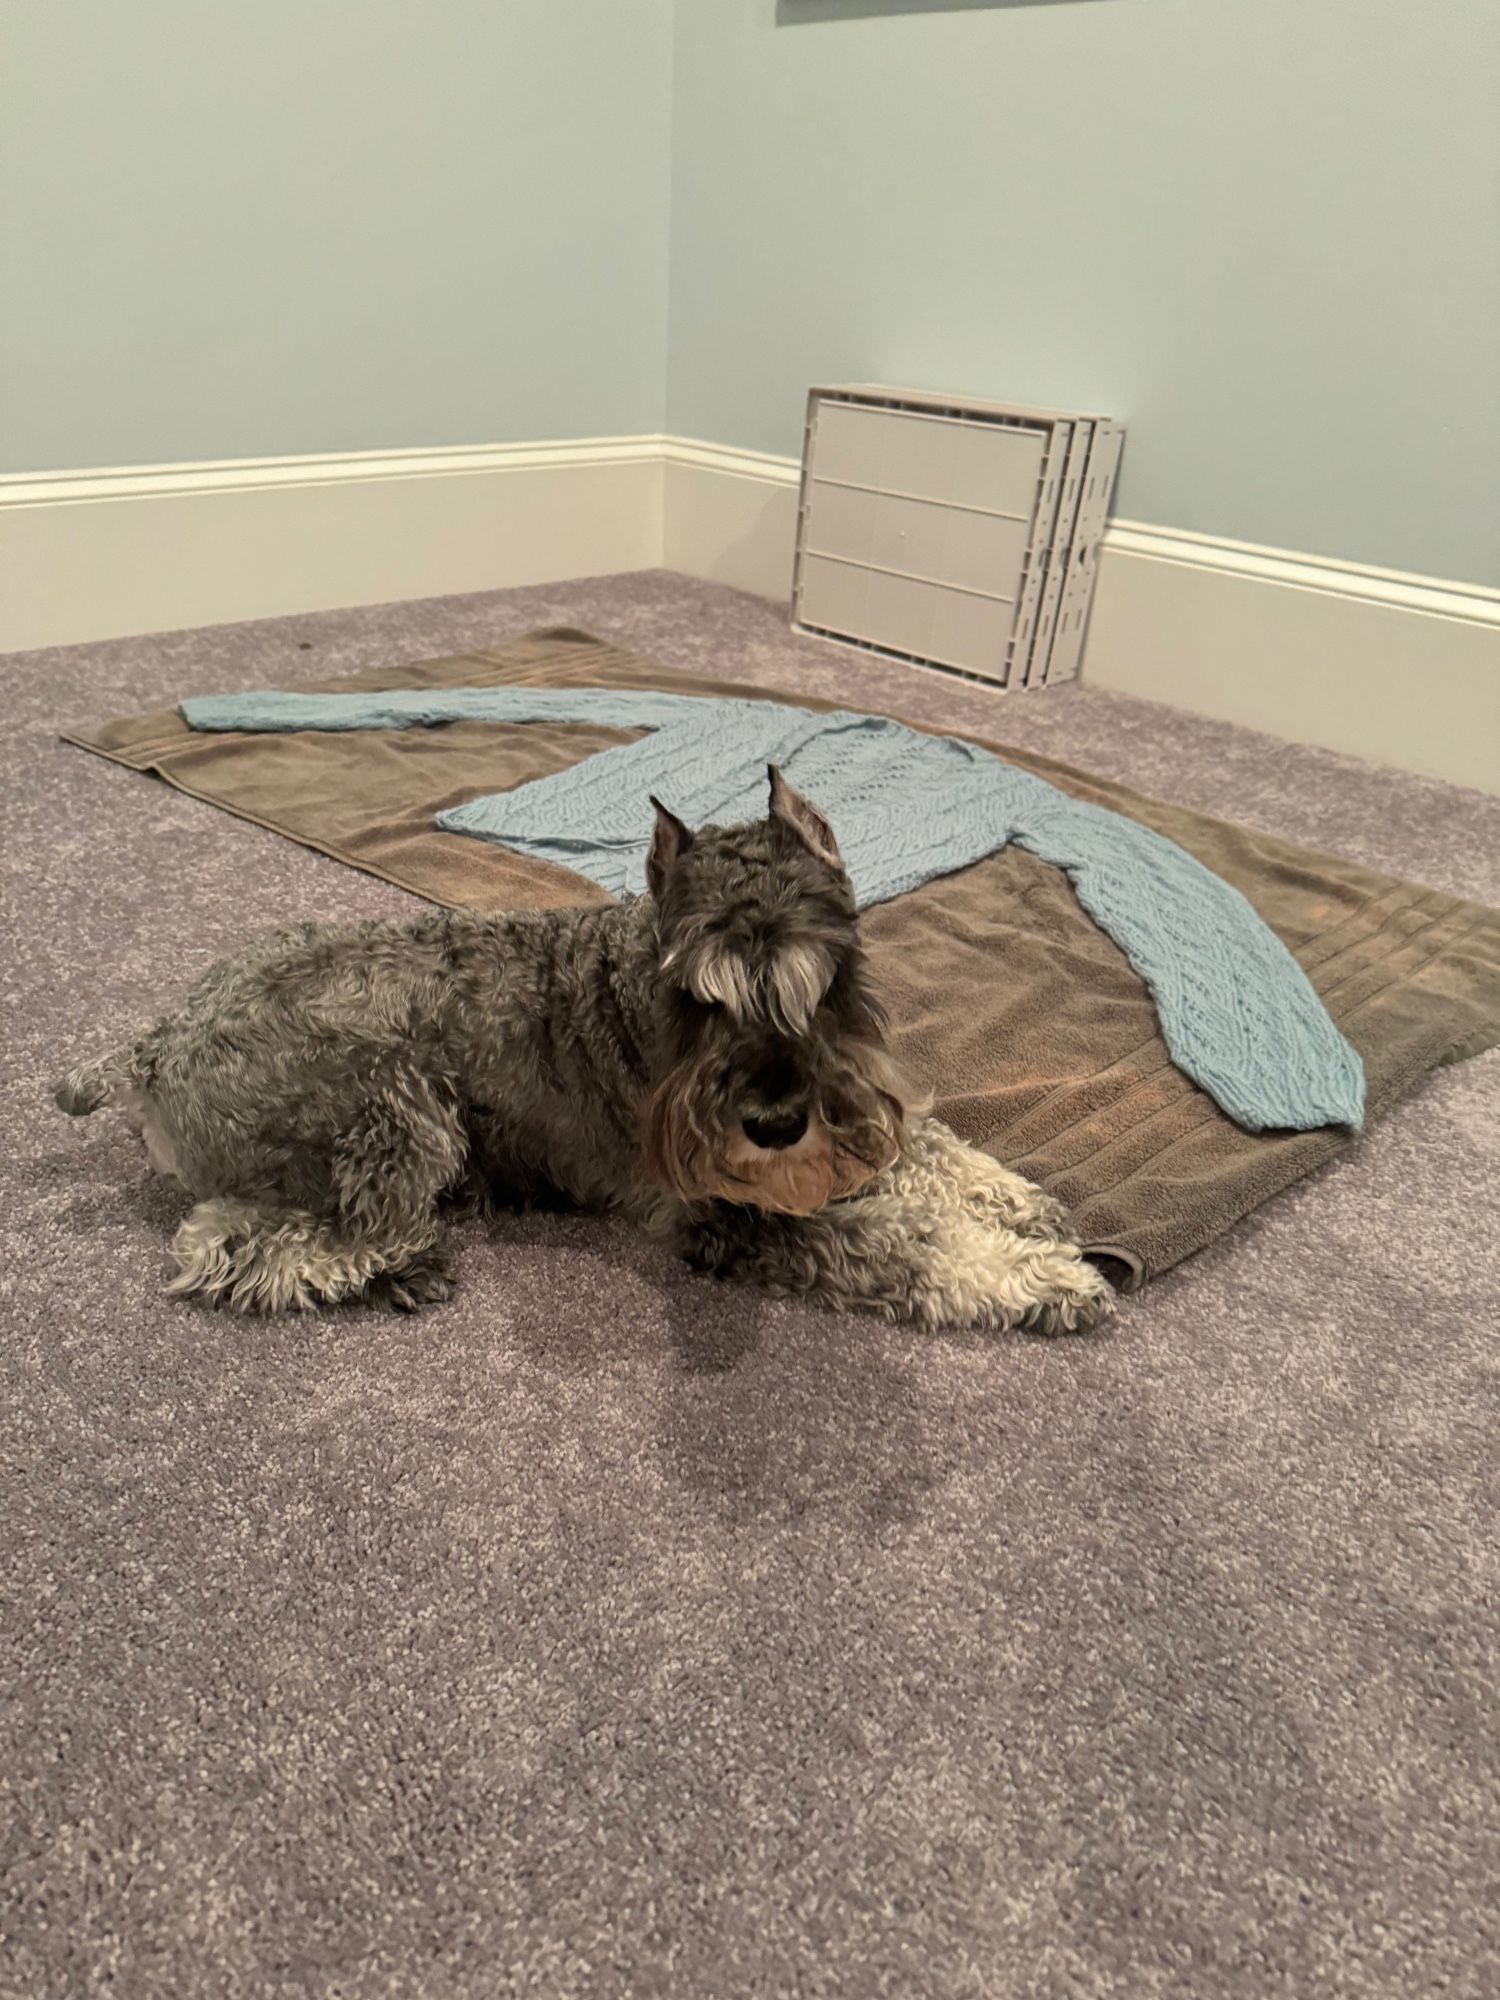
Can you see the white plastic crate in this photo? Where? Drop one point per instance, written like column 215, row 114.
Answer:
column 952, row 533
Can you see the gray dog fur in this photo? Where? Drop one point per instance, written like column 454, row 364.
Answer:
column 707, row 1061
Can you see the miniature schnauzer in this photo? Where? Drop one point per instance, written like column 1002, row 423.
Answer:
column 706, row 1060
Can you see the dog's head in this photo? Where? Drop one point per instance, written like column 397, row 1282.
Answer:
column 775, row 1089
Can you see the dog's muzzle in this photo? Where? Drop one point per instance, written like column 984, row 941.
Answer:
column 796, row 1174
column 786, row 1152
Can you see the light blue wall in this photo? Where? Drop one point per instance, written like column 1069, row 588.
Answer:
column 248, row 227
column 1264, row 232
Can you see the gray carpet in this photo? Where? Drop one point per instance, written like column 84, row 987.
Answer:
column 604, row 1633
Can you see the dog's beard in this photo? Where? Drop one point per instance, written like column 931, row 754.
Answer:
column 790, row 1180
column 703, row 1154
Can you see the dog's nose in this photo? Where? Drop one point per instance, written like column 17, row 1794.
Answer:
column 777, row 1130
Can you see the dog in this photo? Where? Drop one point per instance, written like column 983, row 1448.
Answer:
column 706, row 1060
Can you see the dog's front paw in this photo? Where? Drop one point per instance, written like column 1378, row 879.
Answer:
column 1072, row 1296
column 976, row 1274
column 706, row 1245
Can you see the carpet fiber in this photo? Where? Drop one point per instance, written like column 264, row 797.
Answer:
column 605, row 1633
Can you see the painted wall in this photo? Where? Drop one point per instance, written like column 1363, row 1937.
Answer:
column 1264, row 232
column 253, row 227
column 1268, row 235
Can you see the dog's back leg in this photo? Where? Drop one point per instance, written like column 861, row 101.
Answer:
column 397, row 1155
column 92, row 1084
column 259, row 1258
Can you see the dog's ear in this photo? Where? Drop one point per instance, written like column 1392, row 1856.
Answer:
column 805, row 821
column 670, row 840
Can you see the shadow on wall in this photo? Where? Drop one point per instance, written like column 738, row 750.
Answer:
column 799, row 13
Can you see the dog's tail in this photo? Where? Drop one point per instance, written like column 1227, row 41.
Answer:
column 84, row 1089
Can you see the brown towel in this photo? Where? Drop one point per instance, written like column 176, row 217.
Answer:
column 1023, row 1018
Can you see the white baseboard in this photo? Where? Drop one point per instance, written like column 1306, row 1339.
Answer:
column 1399, row 668
column 1403, row 669
column 730, row 516
column 95, row 555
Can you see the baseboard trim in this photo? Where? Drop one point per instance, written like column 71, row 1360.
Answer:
column 1400, row 669
column 237, row 475
column 1404, row 669
column 1394, row 590
column 108, row 553
column 696, row 456
column 730, row 516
